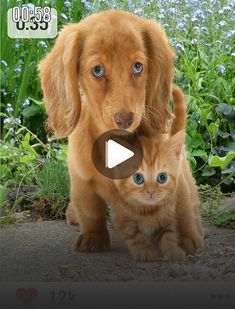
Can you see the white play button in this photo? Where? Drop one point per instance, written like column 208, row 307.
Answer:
column 115, row 153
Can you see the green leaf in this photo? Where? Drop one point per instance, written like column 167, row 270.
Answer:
column 224, row 108
column 2, row 78
column 223, row 134
column 221, row 162
column 213, row 129
column 31, row 111
column 208, row 171
column 25, row 78
column 200, row 153
column 197, row 141
column 4, row 191
column 231, row 147
column 210, row 96
column 20, row 130
column 188, row 140
column 228, row 180
column 29, row 148
column 27, row 138
column 206, row 114
column 230, row 170
column 26, row 159
column 225, row 219
column 17, row 201
column 41, row 104
column 193, row 163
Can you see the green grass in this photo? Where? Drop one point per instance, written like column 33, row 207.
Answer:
column 53, row 185
column 48, row 193
column 212, row 200
column 28, row 166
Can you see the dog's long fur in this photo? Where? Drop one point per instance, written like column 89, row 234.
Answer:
column 82, row 106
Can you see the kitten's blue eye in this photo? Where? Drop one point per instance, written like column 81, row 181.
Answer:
column 162, row 177
column 138, row 178
column 98, row 71
column 137, row 68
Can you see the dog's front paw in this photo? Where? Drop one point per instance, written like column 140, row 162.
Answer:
column 92, row 242
column 144, row 254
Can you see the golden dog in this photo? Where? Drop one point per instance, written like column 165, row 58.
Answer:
column 111, row 70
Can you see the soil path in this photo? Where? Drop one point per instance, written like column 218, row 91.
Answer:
column 41, row 251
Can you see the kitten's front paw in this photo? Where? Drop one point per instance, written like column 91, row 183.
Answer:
column 191, row 245
column 92, row 242
column 144, row 254
column 175, row 254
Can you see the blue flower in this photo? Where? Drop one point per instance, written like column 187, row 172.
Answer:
column 17, row 70
column 64, row 16
column 175, row 1
column 67, row 4
column 30, row 5
column 172, row 11
column 43, row 43
column 148, row 3
column 9, row 108
column 11, row 131
column 230, row 33
column 6, row 120
column 26, row 103
column 226, row 8
column 180, row 47
column 180, row 25
column 222, row 23
column 221, row 68
column 17, row 120
column 139, row 12
column 193, row 41
column 204, row 29
column 198, row 14
column 87, row 5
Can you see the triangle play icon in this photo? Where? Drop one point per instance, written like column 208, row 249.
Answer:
column 115, row 153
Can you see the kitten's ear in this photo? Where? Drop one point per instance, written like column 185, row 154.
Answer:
column 177, row 143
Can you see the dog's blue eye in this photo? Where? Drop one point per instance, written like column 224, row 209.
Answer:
column 162, row 177
column 137, row 68
column 98, row 71
column 138, row 178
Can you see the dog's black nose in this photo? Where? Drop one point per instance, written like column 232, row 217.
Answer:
column 124, row 120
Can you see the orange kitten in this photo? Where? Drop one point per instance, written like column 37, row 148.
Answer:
column 158, row 206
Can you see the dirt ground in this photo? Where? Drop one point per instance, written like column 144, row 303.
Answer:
column 41, row 251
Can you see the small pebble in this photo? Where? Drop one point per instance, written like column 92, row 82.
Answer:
column 176, row 270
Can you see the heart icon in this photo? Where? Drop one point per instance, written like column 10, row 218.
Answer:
column 26, row 295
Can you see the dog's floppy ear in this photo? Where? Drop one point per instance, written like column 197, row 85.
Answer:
column 59, row 80
column 160, row 74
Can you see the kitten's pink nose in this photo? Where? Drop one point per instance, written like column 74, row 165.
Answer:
column 151, row 192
